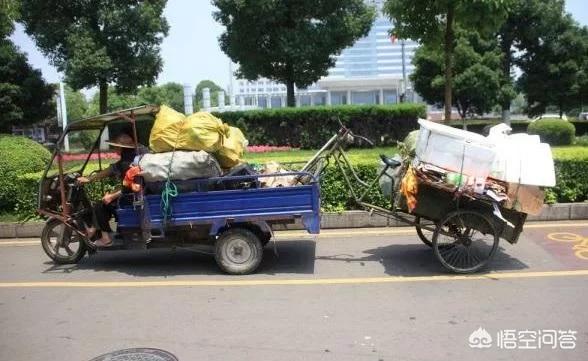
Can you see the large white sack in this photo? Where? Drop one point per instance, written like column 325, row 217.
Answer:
column 522, row 158
column 185, row 165
column 454, row 149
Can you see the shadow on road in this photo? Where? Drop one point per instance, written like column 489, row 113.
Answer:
column 419, row 260
column 295, row 257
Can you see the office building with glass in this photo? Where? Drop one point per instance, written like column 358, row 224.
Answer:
column 372, row 71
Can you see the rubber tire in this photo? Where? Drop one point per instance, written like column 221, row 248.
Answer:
column 480, row 265
column 420, row 233
column 45, row 235
column 252, row 241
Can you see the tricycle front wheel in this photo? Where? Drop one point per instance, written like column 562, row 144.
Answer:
column 465, row 241
column 238, row 251
column 61, row 243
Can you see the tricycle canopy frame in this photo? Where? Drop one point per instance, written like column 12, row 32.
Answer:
column 99, row 122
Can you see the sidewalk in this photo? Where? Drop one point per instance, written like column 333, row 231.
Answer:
column 348, row 219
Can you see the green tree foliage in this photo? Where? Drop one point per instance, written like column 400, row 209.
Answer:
column 99, row 42
column 476, row 74
column 292, row 42
column 171, row 94
column 116, row 101
column 76, row 104
column 25, row 97
column 433, row 22
column 555, row 68
column 8, row 13
column 527, row 23
column 214, row 89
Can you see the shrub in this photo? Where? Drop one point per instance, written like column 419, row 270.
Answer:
column 570, row 170
column 27, row 187
column 582, row 140
column 553, row 131
column 518, row 126
column 19, row 155
column 311, row 127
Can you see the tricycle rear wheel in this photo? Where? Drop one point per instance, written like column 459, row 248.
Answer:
column 465, row 241
column 61, row 243
column 238, row 251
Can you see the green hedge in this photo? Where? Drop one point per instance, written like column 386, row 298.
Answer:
column 308, row 127
column 19, row 155
column 477, row 126
column 571, row 172
column 553, row 131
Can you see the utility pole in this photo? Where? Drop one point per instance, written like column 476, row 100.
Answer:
column 404, row 84
column 62, row 112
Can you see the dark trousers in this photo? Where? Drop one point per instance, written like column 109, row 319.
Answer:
column 103, row 213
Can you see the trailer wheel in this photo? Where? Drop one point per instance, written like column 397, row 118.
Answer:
column 238, row 251
column 61, row 244
column 425, row 236
column 465, row 241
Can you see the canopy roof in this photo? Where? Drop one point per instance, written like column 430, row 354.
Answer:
column 100, row 121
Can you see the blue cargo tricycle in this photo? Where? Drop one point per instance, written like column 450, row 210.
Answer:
column 233, row 213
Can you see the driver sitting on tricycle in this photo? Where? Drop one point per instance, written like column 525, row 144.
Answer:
column 124, row 145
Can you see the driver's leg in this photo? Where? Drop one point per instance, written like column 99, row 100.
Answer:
column 103, row 214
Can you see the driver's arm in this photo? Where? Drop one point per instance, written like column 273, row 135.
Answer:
column 97, row 176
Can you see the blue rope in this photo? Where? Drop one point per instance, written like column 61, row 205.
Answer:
column 169, row 191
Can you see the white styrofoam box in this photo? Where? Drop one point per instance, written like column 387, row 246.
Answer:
column 455, row 149
column 521, row 158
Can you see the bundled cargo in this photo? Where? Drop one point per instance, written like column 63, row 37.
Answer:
column 231, row 149
column 506, row 169
column 178, row 165
column 199, row 131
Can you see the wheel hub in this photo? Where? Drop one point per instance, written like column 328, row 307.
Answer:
column 239, row 251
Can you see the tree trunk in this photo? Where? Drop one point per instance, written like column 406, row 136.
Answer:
column 290, row 98
column 448, row 61
column 103, row 97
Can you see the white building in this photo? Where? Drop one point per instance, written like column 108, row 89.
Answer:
column 369, row 72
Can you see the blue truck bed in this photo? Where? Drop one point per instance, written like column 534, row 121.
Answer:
column 220, row 207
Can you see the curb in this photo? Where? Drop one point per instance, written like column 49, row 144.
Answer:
column 347, row 219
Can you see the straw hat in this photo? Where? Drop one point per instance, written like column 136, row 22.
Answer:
column 122, row 141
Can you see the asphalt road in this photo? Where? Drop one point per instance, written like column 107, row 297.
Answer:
column 376, row 294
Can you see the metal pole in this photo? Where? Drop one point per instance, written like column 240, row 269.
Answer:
column 63, row 109
column 404, row 84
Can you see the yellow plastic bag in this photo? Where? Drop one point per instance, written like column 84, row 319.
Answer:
column 231, row 151
column 199, row 131
column 203, row 131
column 167, row 130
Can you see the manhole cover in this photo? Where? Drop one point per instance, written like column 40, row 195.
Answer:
column 137, row 354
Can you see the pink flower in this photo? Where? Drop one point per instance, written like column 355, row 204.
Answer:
column 94, row 156
column 268, row 148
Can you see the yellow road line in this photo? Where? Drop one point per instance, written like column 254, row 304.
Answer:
column 290, row 282
column 19, row 243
